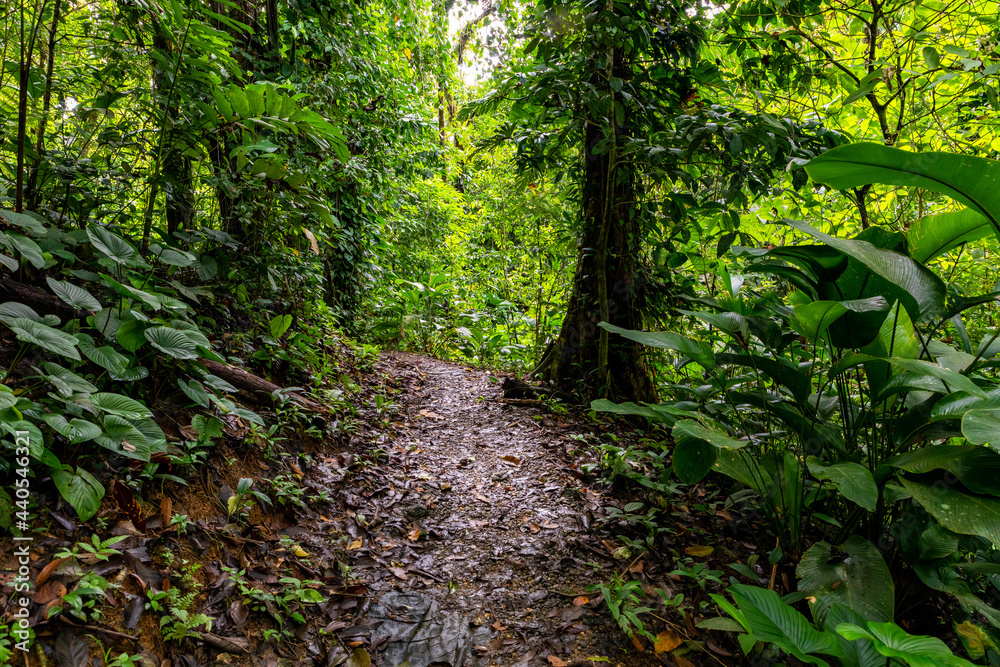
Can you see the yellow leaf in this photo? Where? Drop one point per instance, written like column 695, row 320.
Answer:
column 356, row 544
column 699, row 551
column 408, row 53
column 974, row 639
column 666, row 641
column 300, row 552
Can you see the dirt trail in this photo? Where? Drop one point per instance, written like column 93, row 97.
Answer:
column 478, row 547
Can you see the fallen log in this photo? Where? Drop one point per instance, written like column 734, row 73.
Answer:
column 256, row 388
column 40, row 301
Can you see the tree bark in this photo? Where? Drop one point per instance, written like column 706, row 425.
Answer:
column 606, row 280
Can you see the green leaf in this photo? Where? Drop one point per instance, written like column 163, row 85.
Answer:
column 171, row 342
column 73, row 295
column 196, row 392
column 957, row 511
column 657, row 413
column 853, row 480
column 173, row 256
column 279, row 325
column 701, row 353
column 36, row 443
column 893, row 642
column 697, row 448
column 25, row 221
column 45, row 337
column 130, row 334
column 122, row 437
column 113, row 246
column 954, row 380
column 106, row 356
column 967, row 179
column 66, row 381
column 923, row 293
column 978, row 468
column 853, row 574
column 13, row 309
column 982, row 427
column 123, row 406
column 771, row 620
column 81, row 490
column 932, row 60
column 774, row 369
column 28, row 249
column 934, row 235
column 76, row 430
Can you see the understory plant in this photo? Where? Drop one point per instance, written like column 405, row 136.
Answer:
column 829, row 391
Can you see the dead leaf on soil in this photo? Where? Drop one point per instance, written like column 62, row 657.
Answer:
column 637, row 643
column 166, row 510
column 666, row 641
column 682, row 662
column 510, row 458
column 580, row 601
column 48, row 570
column 535, row 528
column 556, row 661
column 356, row 544
column 699, row 551
column 481, row 498
column 445, row 486
column 53, row 590
column 636, row 568
column 414, row 534
column 430, row 415
column 399, row 572
column 498, row 626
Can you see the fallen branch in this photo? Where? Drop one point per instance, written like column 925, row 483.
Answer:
column 522, row 401
column 41, row 302
column 257, row 389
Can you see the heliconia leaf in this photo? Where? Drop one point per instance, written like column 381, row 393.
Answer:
column 893, row 642
column 934, row 235
column 772, row 620
column 853, row 480
column 853, row 574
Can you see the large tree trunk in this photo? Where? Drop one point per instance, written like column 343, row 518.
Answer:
column 605, row 286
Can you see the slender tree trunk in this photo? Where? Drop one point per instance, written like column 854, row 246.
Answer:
column 33, row 191
column 29, row 33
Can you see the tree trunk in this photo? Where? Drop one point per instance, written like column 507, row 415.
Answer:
column 606, row 278
column 33, row 191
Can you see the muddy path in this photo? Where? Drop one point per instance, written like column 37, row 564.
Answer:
column 474, row 534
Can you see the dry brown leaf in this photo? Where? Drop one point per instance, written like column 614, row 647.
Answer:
column 296, row 470
column 510, row 458
column 699, row 551
column 534, row 528
column 446, row 486
column 498, row 626
column 399, row 572
column 414, row 534
column 48, row 570
column 666, row 641
column 580, row 601
column 557, row 661
column 53, row 590
column 429, row 414
column 636, row 568
column 481, row 498
column 356, row 544
column 263, row 466
column 166, row 510
column 682, row 662
column 637, row 643
column 724, row 514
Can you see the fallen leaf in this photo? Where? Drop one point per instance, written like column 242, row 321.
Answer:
column 682, row 662
column 446, row 486
column 699, row 551
column 637, row 644
column 510, row 458
column 556, row 661
column 666, row 641
column 498, row 626
column 356, row 544
column 481, row 498
column 414, row 534
column 534, row 528
column 724, row 514
column 300, row 552
column 166, row 510
column 636, row 568
column 399, row 572
column 430, row 415
column 549, row 524
column 48, row 570
column 53, row 590
column 580, row 601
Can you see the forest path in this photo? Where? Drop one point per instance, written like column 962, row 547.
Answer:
column 472, row 534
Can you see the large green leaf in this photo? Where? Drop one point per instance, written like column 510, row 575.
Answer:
column 130, row 334
column 45, row 337
column 853, row 480
column 122, row 437
column 123, row 406
column 81, row 490
column 957, row 511
column 700, row 353
column 934, row 235
column 113, row 246
column 105, row 356
column 28, row 249
column 66, row 381
column 784, row 374
column 172, row 342
column 73, row 295
column 36, row 443
column 982, row 426
column 812, row 319
column 978, row 468
column 853, row 574
column 893, row 642
column 970, row 180
column 954, row 380
column 657, row 413
column 11, row 310
column 76, row 430
column 923, row 294
column 772, row 620
column 697, row 448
